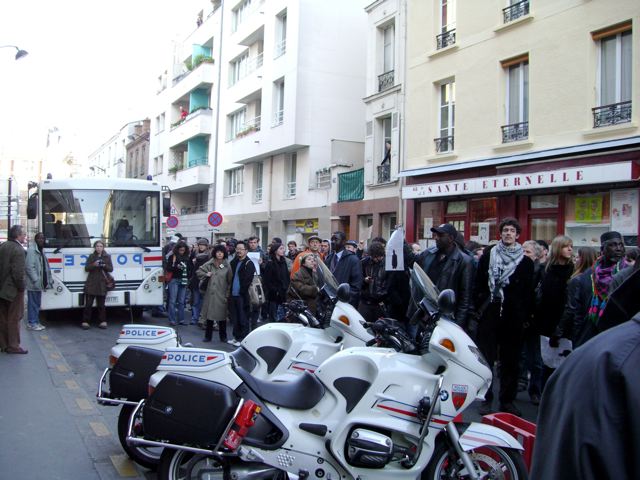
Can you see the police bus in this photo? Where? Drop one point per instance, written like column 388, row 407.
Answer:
column 125, row 214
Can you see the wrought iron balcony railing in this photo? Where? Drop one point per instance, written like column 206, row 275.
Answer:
column 257, row 195
column 384, row 173
column 515, row 11
column 612, row 114
column 278, row 118
column 445, row 39
column 515, row 132
column 444, row 144
column 386, row 80
column 290, row 191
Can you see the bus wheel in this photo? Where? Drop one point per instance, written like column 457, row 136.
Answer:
column 136, row 312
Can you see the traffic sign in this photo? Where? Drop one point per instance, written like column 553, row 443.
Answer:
column 172, row 221
column 215, row 219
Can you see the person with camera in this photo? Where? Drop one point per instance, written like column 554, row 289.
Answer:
column 98, row 267
column 180, row 266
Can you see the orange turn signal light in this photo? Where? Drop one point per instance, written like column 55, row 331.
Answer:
column 344, row 319
column 448, row 344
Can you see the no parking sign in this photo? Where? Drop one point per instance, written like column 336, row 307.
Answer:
column 215, row 219
column 172, row 221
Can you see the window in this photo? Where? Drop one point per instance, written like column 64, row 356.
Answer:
column 236, row 123
column 515, row 10
column 291, row 167
column 158, row 164
column 235, row 181
column 446, row 119
column 238, row 68
column 142, row 161
column 257, row 182
column 161, row 122
column 447, row 24
column 386, row 79
column 323, row 178
column 614, row 92
column 517, row 102
column 281, row 35
column 240, row 14
column 278, row 103
column 384, row 168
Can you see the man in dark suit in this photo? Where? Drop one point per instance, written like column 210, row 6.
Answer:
column 12, row 286
column 243, row 271
column 504, row 297
column 345, row 266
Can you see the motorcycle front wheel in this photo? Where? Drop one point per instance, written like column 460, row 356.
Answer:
column 148, row 457
column 493, row 462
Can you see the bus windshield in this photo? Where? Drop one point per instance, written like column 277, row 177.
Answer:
column 77, row 218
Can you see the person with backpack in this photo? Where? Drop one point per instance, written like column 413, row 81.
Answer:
column 243, row 270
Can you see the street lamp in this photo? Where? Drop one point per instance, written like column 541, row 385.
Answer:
column 93, row 168
column 19, row 54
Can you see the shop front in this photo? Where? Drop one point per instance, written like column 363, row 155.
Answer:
column 581, row 197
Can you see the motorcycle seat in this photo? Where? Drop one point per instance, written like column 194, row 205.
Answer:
column 302, row 393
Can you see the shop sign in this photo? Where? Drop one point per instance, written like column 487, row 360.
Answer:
column 564, row 177
column 307, row 226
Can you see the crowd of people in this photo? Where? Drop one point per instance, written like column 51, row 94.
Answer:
column 515, row 299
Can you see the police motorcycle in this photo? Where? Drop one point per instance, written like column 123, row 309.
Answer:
column 275, row 351
column 374, row 413
column 132, row 360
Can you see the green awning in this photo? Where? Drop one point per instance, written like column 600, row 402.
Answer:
column 351, row 186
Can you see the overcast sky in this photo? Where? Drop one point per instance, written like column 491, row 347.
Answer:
column 92, row 67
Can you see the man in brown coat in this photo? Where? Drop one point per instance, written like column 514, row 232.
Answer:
column 12, row 286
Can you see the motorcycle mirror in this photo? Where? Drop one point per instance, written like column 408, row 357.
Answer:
column 447, row 301
column 344, row 293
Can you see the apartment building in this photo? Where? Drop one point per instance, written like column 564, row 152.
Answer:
column 526, row 109
column 373, row 209
column 258, row 129
column 137, row 151
column 110, row 159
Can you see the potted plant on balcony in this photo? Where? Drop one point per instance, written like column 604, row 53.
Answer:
column 246, row 131
column 174, row 170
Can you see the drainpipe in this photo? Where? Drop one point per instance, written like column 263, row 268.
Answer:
column 401, row 121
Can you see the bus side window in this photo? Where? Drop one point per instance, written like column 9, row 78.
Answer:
column 49, row 225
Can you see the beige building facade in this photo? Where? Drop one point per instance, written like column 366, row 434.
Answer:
column 525, row 109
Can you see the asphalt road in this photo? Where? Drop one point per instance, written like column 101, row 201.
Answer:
column 76, row 358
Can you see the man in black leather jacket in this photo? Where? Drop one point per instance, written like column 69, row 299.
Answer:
column 447, row 267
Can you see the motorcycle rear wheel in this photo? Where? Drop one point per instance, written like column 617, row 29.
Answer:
column 148, row 457
column 495, row 462
column 183, row 465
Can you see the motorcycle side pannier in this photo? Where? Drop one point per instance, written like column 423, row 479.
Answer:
column 189, row 410
column 129, row 377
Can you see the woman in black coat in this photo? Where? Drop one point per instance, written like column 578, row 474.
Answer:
column 275, row 279
column 552, row 294
column 180, row 267
column 95, row 288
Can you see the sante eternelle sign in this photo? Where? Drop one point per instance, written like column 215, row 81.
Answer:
column 564, row 177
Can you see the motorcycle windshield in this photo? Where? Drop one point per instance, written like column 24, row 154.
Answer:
column 327, row 279
column 423, row 288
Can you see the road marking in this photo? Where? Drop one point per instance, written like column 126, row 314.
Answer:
column 48, row 345
column 124, row 465
column 55, row 356
column 72, row 385
column 44, row 337
column 62, row 368
column 100, row 429
column 84, row 404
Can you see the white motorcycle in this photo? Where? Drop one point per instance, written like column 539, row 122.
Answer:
column 276, row 351
column 366, row 413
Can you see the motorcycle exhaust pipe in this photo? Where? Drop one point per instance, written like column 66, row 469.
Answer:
column 103, row 399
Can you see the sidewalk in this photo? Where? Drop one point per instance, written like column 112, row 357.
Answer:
column 50, row 426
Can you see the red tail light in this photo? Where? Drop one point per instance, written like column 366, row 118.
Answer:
column 150, row 390
column 112, row 360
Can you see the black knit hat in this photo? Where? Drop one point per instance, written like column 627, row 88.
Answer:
column 606, row 236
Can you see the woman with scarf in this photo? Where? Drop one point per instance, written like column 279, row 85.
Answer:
column 304, row 285
column 503, row 299
column 98, row 265
column 181, row 269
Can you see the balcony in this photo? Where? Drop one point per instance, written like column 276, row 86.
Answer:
column 197, row 123
column 191, row 179
column 351, row 186
column 201, row 76
column 611, row 114
column 280, row 48
column 444, row 144
column 515, row 132
column 384, row 173
column 445, row 39
column 386, row 80
column 193, row 210
column 251, row 27
column 278, row 118
column 515, row 11
column 249, row 127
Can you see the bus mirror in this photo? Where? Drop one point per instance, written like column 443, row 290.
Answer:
column 166, row 206
column 32, row 207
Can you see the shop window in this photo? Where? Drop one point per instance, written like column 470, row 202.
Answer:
column 587, row 217
column 544, row 201
column 483, row 220
column 429, row 214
